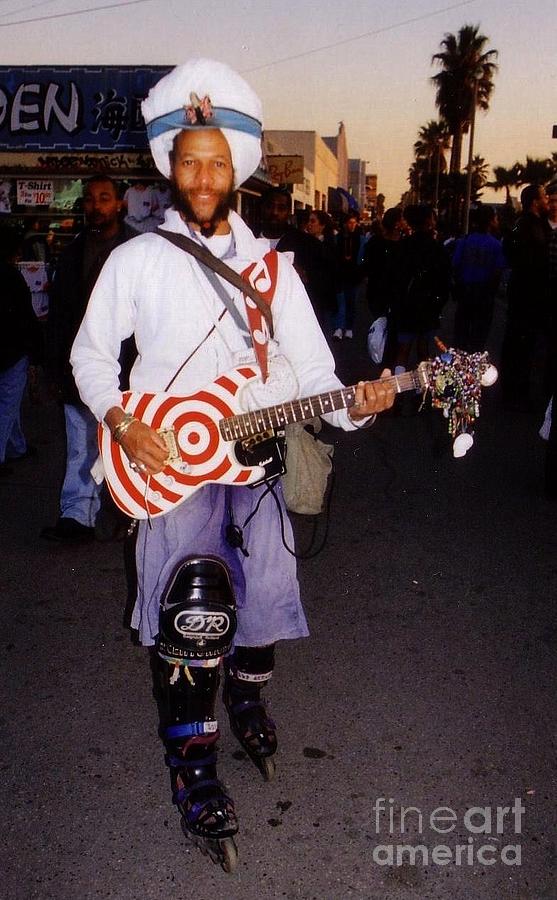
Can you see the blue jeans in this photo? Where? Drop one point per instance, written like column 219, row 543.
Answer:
column 12, row 386
column 346, row 307
column 80, row 495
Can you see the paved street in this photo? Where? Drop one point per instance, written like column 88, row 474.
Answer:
column 428, row 680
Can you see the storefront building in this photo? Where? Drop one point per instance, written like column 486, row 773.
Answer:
column 59, row 125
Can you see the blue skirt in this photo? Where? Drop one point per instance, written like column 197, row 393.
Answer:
column 265, row 583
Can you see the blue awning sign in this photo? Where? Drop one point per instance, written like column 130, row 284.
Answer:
column 74, row 107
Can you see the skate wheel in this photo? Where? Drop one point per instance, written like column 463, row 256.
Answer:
column 268, row 767
column 223, row 852
column 228, row 855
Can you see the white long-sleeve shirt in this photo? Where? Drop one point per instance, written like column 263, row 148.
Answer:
column 158, row 293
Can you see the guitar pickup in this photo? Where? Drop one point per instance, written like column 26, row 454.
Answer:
column 169, row 437
column 255, row 439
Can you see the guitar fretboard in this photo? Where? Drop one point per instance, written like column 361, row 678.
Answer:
column 237, row 428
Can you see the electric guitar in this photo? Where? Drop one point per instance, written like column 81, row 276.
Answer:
column 211, row 438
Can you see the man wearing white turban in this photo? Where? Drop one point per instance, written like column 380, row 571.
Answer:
column 224, row 545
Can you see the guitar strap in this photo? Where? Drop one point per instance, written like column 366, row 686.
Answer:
column 204, row 255
column 218, row 288
column 211, row 264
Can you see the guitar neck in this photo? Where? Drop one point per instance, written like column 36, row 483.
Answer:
column 246, row 425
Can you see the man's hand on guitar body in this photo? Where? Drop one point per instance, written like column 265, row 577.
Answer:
column 145, row 449
column 373, row 397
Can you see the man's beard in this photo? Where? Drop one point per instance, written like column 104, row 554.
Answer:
column 181, row 202
column 274, row 229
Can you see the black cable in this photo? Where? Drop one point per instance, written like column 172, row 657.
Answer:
column 235, row 534
column 308, row 554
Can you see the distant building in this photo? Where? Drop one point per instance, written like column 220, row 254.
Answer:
column 339, row 147
column 357, row 182
column 371, row 195
column 319, row 172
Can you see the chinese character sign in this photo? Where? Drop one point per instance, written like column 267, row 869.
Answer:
column 74, row 107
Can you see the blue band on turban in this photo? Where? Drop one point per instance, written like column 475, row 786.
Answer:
column 221, row 118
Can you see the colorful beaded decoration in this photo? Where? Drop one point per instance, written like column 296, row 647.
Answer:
column 455, row 382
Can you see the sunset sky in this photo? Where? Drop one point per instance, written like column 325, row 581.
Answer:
column 313, row 64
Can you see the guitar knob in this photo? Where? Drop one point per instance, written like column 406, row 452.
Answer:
column 155, row 496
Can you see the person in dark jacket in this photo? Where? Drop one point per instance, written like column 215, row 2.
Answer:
column 422, row 283
column 276, row 210
column 528, row 301
column 320, row 227
column 20, row 349
column 75, row 276
column 380, row 267
column 350, row 244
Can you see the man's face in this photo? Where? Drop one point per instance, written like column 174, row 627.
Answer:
column 314, row 227
column 542, row 202
column 275, row 212
column 351, row 224
column 402, row 227
column 101, row 205
column 202, row 177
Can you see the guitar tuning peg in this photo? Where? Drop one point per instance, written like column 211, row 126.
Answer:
column 462, row 444
column 490, row 376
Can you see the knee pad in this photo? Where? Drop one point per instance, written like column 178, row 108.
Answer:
column 197, row 619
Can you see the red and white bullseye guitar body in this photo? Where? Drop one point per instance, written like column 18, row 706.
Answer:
column 206, row 430
column 204, row 454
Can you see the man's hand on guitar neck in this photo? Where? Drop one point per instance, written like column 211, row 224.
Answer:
column 145, row 449
column 373, row 397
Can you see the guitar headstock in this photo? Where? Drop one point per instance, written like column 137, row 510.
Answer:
column 455, row 380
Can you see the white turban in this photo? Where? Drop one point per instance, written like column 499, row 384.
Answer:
column 233, row 108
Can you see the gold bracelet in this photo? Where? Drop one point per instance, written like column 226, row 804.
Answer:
column 122, row 426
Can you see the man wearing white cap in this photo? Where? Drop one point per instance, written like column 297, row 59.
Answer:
column 224, row 544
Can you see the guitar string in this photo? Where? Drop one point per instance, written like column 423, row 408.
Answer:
column 245, row 424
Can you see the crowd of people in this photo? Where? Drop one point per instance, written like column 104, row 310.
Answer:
column 402, row 266
column 408, row 272
column 139, row 310
column 400, row 263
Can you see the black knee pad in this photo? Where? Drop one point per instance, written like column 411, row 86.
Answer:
column 197, row 617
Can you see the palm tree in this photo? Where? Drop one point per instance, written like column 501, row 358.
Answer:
column 536, row 171
column 480, row 170
column 429, row 152
column 505, row 179
column 417, row 174
column 433, row 140
column 464, row 83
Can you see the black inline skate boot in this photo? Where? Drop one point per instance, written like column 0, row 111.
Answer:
column 248, row 670
column 208, row 817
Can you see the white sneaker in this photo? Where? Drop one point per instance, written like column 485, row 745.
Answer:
column 349, row 334
column 337, row 334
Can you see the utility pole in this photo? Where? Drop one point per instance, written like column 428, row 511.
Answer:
column 470, row 157
column 436, row 202
column 477, row 77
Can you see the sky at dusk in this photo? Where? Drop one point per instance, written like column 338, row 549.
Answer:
column 313, row 64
